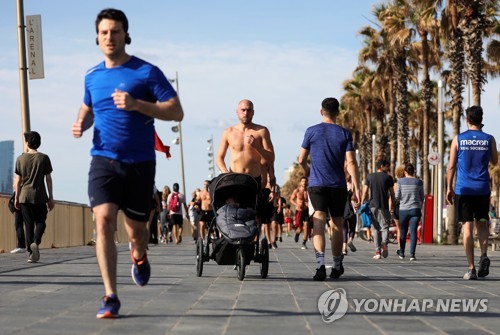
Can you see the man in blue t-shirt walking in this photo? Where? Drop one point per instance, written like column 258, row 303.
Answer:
column 470, row 154
column 123, row 96
column 331, row 150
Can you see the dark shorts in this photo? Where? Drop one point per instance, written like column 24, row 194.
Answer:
column 176, row 219
column 127, row 185
column 207, row 216
column 265, row 209
column 472, row 208
column 330, row 200
column 279, row 218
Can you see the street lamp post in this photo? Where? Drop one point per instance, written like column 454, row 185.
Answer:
column 23, row 69
column 211, row 158
column 440, row 164
column 179, row 140
column 373, row 151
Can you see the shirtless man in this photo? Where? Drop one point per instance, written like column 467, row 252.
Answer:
column 248, row 144
column 250, row 149
column 207, row 213
column 300, row 200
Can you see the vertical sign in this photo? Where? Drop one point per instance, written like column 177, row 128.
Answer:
column 35, row 49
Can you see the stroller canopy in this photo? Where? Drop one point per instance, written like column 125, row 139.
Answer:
column 239, row 186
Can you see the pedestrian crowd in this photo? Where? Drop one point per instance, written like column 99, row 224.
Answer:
column 122, row 97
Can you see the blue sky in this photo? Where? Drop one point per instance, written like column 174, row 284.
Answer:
column 286, row 56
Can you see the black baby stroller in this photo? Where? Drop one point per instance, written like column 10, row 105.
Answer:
column 231, row 237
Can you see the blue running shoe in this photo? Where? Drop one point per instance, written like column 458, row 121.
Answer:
column 141, row 270
column 109, row 307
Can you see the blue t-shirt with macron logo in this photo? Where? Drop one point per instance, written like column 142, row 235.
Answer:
column 474, row 151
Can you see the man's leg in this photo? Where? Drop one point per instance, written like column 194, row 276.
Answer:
column 337, row 239
column 141, row 269
column 385, row 221
column 19, row 224
column 105, row 221
column 319, row 221
column 337, row 235
column 305, row 236
column 181, row 228
column 468, row 241
column 29, row 224
column 377, row 236
column 482, row 229
column 274, row 232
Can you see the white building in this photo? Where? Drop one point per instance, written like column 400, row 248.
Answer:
column 6, row 166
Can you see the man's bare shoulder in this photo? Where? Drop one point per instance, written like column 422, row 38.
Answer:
column 259, row 128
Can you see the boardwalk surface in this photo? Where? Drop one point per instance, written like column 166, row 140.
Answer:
column 61, row 293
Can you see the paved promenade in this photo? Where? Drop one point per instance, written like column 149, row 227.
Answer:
column 61, row 294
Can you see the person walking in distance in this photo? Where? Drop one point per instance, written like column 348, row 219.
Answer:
column 207, row 213
column 400, row 173
column 287, row 212
column 380, row 186
column 331, row 149
column 33, row 173
column 164, row 216
column 194, row 209
column 300, row 200
column 123, row 95
column 470, row 154
column 176, row 202
column 410, row 194
column 349, row 229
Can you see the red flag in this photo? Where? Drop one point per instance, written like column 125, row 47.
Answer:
column 159, row 146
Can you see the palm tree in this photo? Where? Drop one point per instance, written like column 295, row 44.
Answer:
column 356, row 114
column 473, row 25
column 393, row 20
column 377, row 52
column 453, row 36
column 422, row 17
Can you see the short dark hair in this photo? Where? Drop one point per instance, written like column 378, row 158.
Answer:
column 410, row 169
column 112, row 14
column 381, row 163
column 330, row 106
column 33, row 139
column 475, row 115
column 176, row 187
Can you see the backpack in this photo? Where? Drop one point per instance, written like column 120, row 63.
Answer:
column 173, row 204
column 12, row 208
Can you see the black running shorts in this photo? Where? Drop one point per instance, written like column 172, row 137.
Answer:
column 472, row 207
column 130, row 186
column 328, row 199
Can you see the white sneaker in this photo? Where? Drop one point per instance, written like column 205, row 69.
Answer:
column 35, row 252
column 18, row 251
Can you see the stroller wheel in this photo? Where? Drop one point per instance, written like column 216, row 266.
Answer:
column 199, row 257
column 264, row 258
column 241, row 263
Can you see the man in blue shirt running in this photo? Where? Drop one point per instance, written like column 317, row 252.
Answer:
column 470, row 154
column 123, row 96
column 332, row 151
